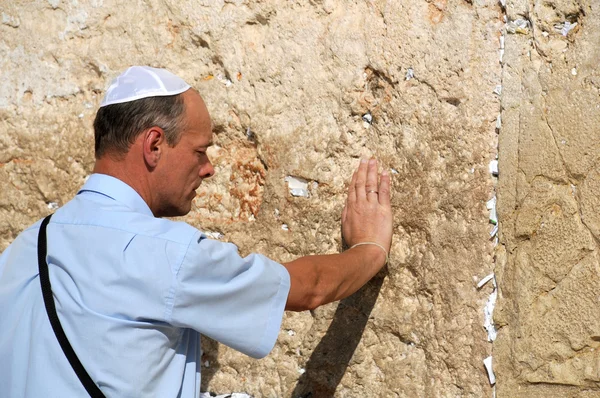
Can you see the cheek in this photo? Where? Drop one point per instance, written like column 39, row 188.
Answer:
column 188, row 167
column 193, row 172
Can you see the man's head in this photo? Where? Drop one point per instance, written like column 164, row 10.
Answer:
column 152, row 131
column 117, row 126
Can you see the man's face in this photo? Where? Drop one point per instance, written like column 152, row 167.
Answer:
column 182, row 168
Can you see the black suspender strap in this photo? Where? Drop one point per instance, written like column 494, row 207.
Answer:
column 84, row 377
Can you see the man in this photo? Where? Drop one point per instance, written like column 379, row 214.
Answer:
column 132, row 290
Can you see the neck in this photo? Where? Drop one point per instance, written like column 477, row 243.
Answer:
column 128, row 172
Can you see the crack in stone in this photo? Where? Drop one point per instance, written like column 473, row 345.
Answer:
column 570, row 176
column 571, row 179
column 425, row 82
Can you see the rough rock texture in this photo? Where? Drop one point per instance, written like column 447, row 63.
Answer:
column 548, row 269
column 287, row 84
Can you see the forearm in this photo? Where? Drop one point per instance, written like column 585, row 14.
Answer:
column 322, row 279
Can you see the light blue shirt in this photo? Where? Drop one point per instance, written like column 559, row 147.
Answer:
column 133, row 293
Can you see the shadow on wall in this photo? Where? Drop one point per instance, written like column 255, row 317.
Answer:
column 210, row 353
column 329, row 361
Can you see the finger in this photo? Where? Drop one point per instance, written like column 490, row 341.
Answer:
column 371, row 184
column 344, row 212
column 361, row 180
column 384, row 188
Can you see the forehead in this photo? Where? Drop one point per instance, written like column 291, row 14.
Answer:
column 198, row 125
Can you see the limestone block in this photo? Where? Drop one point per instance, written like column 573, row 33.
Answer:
column 548, row 261
column 287, row 85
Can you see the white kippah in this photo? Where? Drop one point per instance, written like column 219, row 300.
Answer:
column 139, row 82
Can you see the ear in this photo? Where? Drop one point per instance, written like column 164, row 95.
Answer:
column 152, row 145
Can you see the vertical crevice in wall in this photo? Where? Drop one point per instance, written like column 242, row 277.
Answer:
column 488, row 309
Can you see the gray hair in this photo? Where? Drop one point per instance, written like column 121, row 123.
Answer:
column 117, row 126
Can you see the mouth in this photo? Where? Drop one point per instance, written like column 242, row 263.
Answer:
column 193, row 193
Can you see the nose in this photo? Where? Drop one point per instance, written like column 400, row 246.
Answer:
column 207, row 170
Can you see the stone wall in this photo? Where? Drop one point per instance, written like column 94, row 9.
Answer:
column 291, row 87
column 548, row 269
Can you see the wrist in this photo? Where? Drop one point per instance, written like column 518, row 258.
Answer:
column 373, row 250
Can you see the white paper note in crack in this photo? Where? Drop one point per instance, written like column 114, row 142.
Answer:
column 491, row 206
column 485, row 280
column 493, row 167
column 488, row 310
column 490, row 371
column 298, row 186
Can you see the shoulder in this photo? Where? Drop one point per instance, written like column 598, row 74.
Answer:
column 120, row 219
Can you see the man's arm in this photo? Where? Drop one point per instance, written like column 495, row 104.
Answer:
column 367, row 217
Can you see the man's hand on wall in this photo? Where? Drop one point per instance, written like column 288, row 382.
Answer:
column 367, row 216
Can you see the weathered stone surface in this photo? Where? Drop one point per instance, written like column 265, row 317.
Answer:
column 548, row 268
column 287, row 84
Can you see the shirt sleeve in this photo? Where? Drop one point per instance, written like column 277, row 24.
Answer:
column 236, row 301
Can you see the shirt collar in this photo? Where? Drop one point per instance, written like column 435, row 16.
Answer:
column 116, row 190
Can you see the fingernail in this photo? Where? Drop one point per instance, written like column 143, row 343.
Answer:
column 385, row 173
column 363, row 160
column 372, row 161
